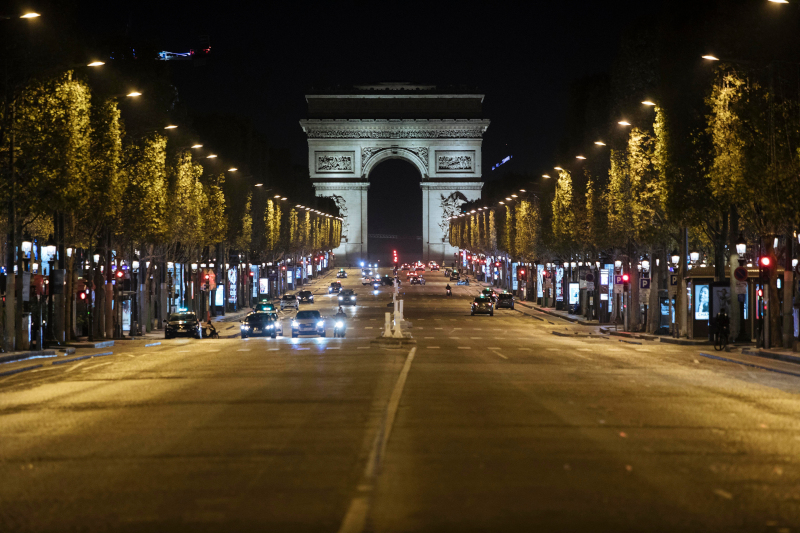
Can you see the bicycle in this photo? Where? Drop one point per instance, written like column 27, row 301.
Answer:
column 721, row 338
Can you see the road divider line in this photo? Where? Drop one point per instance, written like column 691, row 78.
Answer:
column 355, row 519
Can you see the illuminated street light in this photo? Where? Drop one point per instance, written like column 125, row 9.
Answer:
column 30, row 15
column 599, row 143
column 514, row 196
column 648, row 102
column 197, row 146
column 502, row 203
column 282, row 199
column 170, row 127
column 509, row 200
column 95, row 64
column 133, row 94
column 624, row 123
column 277, row 196
column 545, row 176
column 773, row 1
column 212, row 156
column 558, row 168
column 259, row 184
column 710, row 58
column 522, row 190
column 579, row 157
column 232, row 169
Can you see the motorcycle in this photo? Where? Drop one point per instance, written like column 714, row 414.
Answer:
column 462, row 282
column 449, row 292
column 339, row 328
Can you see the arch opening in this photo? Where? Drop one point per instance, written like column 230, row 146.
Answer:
column 395, row 210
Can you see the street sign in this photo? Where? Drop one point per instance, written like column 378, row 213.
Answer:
column 589, row 277
column 740, row 274
column 673, row 280
column 617, row 280
column 644, row 283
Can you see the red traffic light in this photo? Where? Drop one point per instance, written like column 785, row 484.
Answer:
column 497, row 264
column 82, row 296
column 626, row 278
column 766, row 262
column 205, row 277
column 120, row 274
column 522, row 272
column 760, row 293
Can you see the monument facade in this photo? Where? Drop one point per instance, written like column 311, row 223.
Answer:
column 440, row 132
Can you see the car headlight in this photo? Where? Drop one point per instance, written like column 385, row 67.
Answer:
column 245, row 326
column 270, row 326
column 295, row 323
column 339, row 324
column 352, row 297
column 341, row 297
column 320, row 324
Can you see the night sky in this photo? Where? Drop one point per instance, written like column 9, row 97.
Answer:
column 266, row 55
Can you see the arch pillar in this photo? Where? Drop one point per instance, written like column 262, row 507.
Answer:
column 441, row 200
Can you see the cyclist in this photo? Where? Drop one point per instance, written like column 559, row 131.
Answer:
column 723, row 330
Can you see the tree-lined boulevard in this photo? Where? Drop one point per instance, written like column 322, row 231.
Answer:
column 498, row 424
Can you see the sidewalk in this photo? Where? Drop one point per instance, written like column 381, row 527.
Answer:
column 577, row 319
column 777, row 354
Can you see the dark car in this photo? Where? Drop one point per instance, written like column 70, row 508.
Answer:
column 341, row 273
column 305, row 297
column 259, row 324
column 489, row 293
column 454, row 275
column 347, row 297
column 183, row 324
column 387, row 280
column 335, row 287
column 505, row 300
column 483, row 306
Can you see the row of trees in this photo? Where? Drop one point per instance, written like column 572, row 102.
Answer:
column 732, row 170
column 75, row 174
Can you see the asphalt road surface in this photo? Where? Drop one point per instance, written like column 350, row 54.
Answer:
column 492, row 423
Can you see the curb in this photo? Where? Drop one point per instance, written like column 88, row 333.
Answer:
column 753, row 365
column 26, row 355
column 786, row 358
column 18, row 370
column 98, row 344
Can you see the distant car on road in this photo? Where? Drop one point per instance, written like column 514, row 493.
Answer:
column 264, row 307
column 308, row 323
column 183, row 324
column 305, row 297
column 341, row 273
column 505, row 300
column 347, row 297
column 335, row 287
column 289, row 300
column 483, row 306
column 259, row 324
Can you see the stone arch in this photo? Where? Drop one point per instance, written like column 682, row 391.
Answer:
column 372, row 157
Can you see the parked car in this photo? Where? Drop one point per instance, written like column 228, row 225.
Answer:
column 289, row 300
column 183, row 324
column 305, row 297
column 308, row 323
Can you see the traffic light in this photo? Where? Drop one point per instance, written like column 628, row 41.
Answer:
column 767, row 264
column 497, row 264
column 83, row 295
column 522, row 274
column 626, row 279
column 120, row 274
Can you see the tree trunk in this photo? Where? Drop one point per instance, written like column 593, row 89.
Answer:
column 654, row 306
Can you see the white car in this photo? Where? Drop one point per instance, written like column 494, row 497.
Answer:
column 289, row 300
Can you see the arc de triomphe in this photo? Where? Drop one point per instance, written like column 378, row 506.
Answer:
column 439, row 132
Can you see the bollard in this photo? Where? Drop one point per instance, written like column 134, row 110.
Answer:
column 387, row 329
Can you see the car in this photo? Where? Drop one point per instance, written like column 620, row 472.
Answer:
column 414, row 280
column 420, row 269
column 259, row 324
column 483, row 306
column 489, row 293
column 264, row 307
column 366, row 280
column 434, row 268
column 341, row 273
column 454, row 276
column 183, row 324
column 405, row 267
column 308, row 323
column 347, row 297
column 335, row 287
column 505, row 300
column 289, row 300
column 278, row 323
column 305, row 297
column 387, row 280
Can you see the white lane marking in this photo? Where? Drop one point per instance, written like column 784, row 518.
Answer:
column 333, row 347
column 96, row 366
column 497, row 352
column 584, row 349
column 362, row 347
column 368, row 327
column 438, row 328
column 454, row 329
column 476, row 338
column 432, row 347
column 553, row 350
column 274, row 349
column 493, row 348
column 212, row 350
column 243, row 350
column 525, row 349
column 465, row 347
column 298, row 348
column 430, row 337
column 356, row 517
column 70, row 369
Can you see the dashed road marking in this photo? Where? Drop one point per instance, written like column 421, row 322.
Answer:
column 526, row 349
column 362, row 347
column 493, row 348
column 465, row 347
column 432, row 347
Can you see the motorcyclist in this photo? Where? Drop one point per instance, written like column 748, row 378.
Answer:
column 449, row 290
column 340, row 317
column 340, row 314
column 211, row 331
